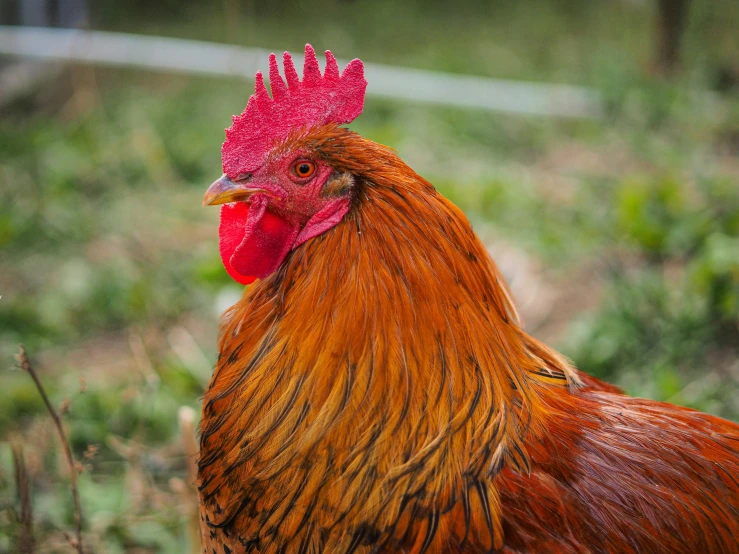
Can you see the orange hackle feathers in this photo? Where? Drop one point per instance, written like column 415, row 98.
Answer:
column 377, row 394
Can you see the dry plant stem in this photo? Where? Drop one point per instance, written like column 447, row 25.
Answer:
column 191, row 451
column 26, row 542
column 25, row 364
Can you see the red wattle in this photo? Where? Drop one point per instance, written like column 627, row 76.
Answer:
column 231, row 232
column 254, row 241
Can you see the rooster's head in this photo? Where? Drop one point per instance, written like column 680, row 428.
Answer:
column 277, row 190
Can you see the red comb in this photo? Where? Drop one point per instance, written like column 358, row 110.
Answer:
column 316, row 100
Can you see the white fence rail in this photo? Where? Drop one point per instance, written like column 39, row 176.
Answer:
column 208, row 58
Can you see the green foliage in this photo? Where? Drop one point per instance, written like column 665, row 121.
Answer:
column 661, row 221
column 21, row 403
column 673, row 321
column 715, row 275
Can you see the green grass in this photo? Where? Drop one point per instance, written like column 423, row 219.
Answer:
column 110, row 275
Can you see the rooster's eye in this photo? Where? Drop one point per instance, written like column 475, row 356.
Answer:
column 304, row 168
column 243, row 177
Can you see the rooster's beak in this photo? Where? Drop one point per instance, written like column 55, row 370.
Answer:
column 224, row 190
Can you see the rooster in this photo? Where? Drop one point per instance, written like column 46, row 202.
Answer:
column 375, row 392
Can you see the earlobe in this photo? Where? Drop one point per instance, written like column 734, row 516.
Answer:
column 338, row 185
column 328, row 216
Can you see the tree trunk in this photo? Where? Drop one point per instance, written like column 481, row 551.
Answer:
column 671, row 19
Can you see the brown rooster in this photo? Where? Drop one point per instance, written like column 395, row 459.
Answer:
column 374, row 391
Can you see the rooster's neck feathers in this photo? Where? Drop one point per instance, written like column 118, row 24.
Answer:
column 355, row 372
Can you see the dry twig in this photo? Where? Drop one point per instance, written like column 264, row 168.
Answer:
column 26, row 542
column 25, row 364
column 190, row 448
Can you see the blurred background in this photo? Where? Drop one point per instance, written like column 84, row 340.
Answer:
column 618, row 228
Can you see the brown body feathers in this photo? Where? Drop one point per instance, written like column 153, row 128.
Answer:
column 377, row 394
